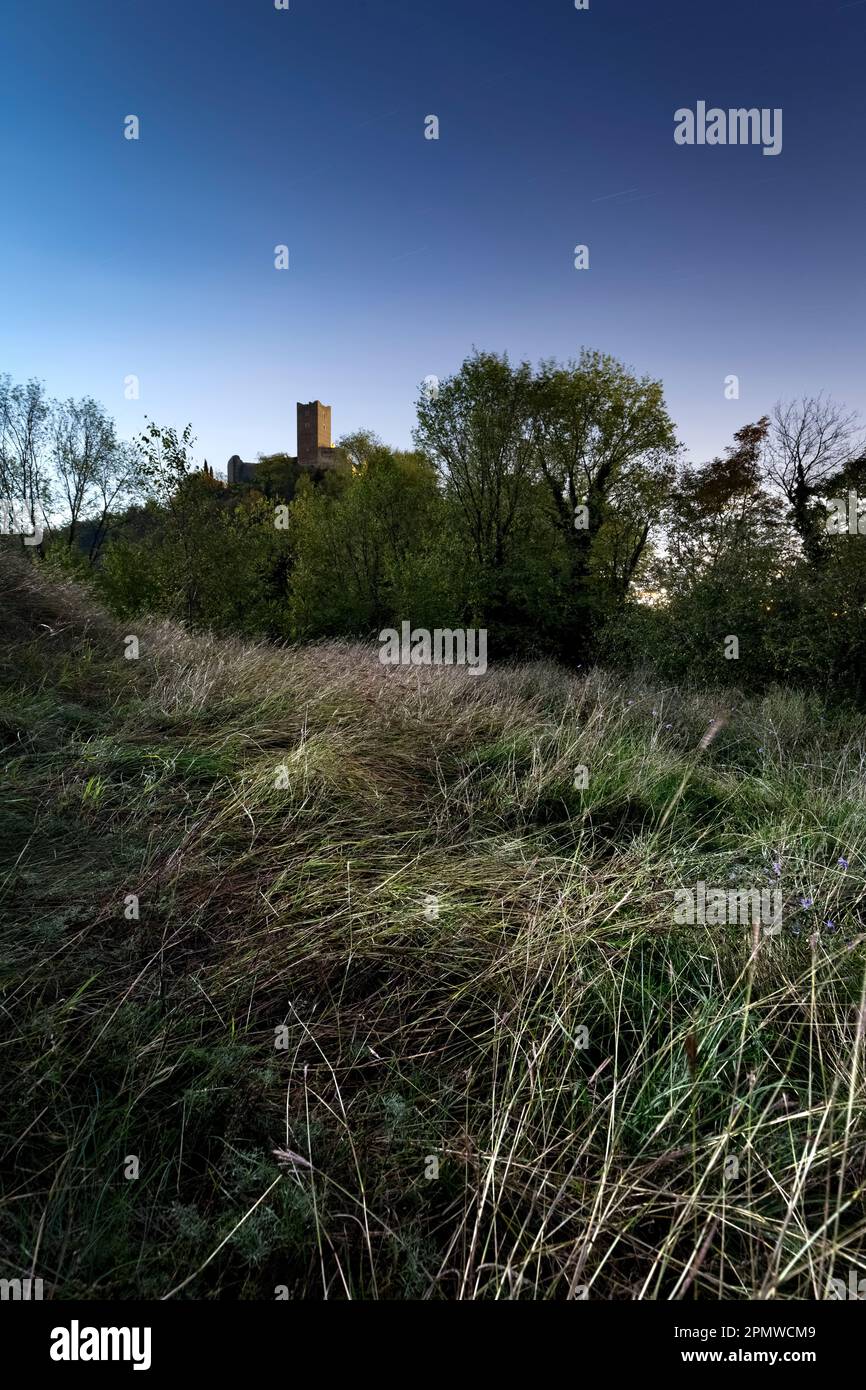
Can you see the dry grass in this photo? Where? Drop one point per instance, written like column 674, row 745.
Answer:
column 474, row 967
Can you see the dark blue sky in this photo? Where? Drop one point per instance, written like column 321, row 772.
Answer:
column 306, row 127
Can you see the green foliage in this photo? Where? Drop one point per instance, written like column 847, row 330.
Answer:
column 363, row 555
column 277, row 476
column 548, row 505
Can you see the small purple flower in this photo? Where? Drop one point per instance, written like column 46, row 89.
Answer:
column 806, row 902
column 843, row 863
column 830, row 924
column 777, row 868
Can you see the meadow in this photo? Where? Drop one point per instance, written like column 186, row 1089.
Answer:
column 325, row 979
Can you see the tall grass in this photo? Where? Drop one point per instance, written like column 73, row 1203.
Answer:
column 406, row 1013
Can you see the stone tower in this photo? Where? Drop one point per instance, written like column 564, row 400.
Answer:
column 314, row 434
column 315, row 450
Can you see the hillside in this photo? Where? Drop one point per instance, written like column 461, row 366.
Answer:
column 401, row 1011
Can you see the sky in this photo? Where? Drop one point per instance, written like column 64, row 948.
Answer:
column 305, row 127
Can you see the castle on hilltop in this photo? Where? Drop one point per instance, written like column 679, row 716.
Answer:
column 315, row 450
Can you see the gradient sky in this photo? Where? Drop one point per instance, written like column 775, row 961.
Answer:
column 306, row 127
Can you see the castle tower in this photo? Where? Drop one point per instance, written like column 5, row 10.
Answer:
column 314, row 433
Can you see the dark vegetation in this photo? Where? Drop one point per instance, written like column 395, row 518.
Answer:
column 551, row 506
column 322, row 979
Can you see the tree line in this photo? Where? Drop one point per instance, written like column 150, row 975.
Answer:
column 551, row 505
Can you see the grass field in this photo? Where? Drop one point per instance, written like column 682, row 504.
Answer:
column 403, row 1012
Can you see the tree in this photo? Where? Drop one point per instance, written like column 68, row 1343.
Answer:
column 24, row 464
column 116, row 483
column 276, row 477
column 359, row 447
column 167, row 470
column 721, row 511
column 604, row 446
column 363, row 553
column 810, row 441
column 477, row 427
column 93, row 470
